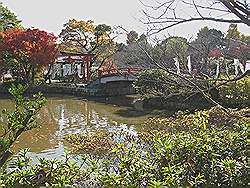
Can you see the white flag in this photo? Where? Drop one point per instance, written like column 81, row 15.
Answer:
column 217, row 70
column 189, row 64
column 177, row 64
column 241, row 68
column 236, row 65
column 79, row 69
column 227, row 61
column 247, row 65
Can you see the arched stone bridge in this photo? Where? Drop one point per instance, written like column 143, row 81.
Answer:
column 114, row 82
column 111, row 82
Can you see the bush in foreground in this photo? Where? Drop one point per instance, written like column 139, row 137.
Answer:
column 205, row 149
column 201, row 156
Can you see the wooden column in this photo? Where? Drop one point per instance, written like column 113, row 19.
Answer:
column 88, row 73
column 83, row 70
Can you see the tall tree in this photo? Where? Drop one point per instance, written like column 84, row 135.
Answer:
column 132, row 37
column 238, row 45
column 86, row 37
column 207, row 40
column 233, row 33
column 132, row 54
column 25, row 52
column 172, row 47
column 8, row 19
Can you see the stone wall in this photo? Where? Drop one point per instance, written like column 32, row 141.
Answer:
column 118, row 88
column 100, row 90
column 175, row 103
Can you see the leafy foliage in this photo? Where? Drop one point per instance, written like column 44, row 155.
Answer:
column 20, row 120
column 195, row 150
column 61, row 172
column 86, row 37
column 233, row 33
column 133, row 55
column 237, row 44
column 25, row 52
column 207, row 148
column 236, row 93
column 206, row 42
column 132, row 37
column 152, row 82
column 8, row 19
column 199, row 156
column 171, row 47
column 157, row 82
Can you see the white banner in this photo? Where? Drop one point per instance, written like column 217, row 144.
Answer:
column 189, row 64
column 177, row 64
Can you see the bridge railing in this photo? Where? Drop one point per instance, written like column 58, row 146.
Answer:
column 119, row 71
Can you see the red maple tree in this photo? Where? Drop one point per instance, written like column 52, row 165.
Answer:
column 216, row 53
column 24, row 52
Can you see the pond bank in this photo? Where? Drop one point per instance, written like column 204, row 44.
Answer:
column 139, row 105
column 98, row 90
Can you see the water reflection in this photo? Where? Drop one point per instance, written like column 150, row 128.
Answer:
column 62, row 116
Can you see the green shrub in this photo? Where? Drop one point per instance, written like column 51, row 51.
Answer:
column 204, row 149
column 204, row 155
column 152, row 83
column 54, row 172
column 20, row 120
column 157, row 82
column 236, row 93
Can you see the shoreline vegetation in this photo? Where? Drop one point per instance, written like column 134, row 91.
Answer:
column 205, row 148
column 194, row 94
column 200, row 147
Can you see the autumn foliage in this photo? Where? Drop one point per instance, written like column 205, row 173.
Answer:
column 26, row 51
column 88, row 38
column 216, row 53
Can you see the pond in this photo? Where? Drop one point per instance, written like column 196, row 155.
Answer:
column 63, row 115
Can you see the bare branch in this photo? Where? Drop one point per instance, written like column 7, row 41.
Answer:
column 233, row 7
column 183, row 78
column 196, row 7
column 158, row 30
column 169, row 13
column 210, row 7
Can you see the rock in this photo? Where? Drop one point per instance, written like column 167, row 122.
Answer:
column 138, row 104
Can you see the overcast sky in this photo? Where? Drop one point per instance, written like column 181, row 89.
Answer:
column 50, row 15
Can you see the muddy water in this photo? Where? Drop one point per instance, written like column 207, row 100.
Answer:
column 66, row 115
